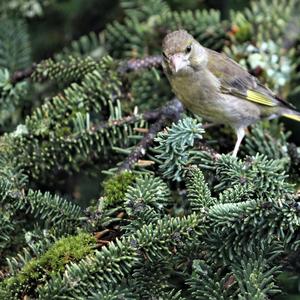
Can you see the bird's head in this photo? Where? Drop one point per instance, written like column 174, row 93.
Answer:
column 182, row 53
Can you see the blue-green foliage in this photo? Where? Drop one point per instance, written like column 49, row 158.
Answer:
column 186, row 222
column 10, row 96
column 7, row 228
column 150, row 191
column 174, row 144
column 207, row 283
column 14, row 44
column 146, row 202
column 15, row 54
column 266, row 176
column 199, row 193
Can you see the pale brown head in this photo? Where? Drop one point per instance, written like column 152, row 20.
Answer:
column 182, row 52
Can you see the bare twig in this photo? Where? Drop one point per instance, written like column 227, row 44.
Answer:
column 22, row 74
column 204, row 147
column 171, row 111
column 138, row 64
column 140, row 149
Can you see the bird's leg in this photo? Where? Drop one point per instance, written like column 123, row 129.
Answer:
column 240, row 132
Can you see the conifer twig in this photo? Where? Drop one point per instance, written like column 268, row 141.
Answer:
column 22, row 74
column 138, row 64
column 125, row 66
column 171, row 111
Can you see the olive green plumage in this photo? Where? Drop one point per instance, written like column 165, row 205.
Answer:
column 216, row 87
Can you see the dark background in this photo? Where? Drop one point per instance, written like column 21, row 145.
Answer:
column 66, row 20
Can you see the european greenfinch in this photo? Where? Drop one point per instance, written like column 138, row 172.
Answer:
column 217, row 88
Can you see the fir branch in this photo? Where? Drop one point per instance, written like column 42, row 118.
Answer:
column 242, row 206
column 155, row 276
column 143, row 10
column 174, row 145
column 255, row 278
column 111, row 292
column 140, row 64
column 87, row 45
column 7, row 226
column 73, row 69
column 268, row 139
column 50, row 211
column 37, row 242
column 55, row 211
column 208, row 282
column 148, row 191
column 146, row 201
column 114, row 263
column 53, row 261
column 236, row 193
column 199, row 194
column 38, row 69
column 11, row 99
column 236, row 228
column 170, row 111
column 15, row 50
column 22, row 74
column 266, row 176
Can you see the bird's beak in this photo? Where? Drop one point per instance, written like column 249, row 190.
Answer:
column 178, row 61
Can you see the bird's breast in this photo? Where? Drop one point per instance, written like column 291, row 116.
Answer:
column 198, row 91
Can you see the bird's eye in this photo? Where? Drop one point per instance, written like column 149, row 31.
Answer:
column 188, row 49
column 164, row 55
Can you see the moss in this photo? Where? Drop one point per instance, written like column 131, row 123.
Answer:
column 116, row 187
column 53, row 261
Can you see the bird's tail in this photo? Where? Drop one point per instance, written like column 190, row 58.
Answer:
column 292, row 114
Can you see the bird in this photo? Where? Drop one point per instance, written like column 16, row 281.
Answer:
column 215, row 87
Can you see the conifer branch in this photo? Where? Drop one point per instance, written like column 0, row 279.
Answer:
column 125, row 67
column 23, row 74
column 138, row 64
column 199, row 224
column 171, row 111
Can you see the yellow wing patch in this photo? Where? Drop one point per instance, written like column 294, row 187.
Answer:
column 293, row 117
column 259, row 98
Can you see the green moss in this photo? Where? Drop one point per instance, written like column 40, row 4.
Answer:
column 53, row 261
column 116, row 187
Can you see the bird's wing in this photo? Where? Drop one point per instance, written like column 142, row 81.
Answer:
column 238, row 82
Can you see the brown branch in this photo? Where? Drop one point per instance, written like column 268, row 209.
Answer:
column 124, row 67
column 171, row 111
column 138, row 64
column 108, row 124
column 202, row 146
column 147, row 116
column 140, row 149
column 22, row 74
